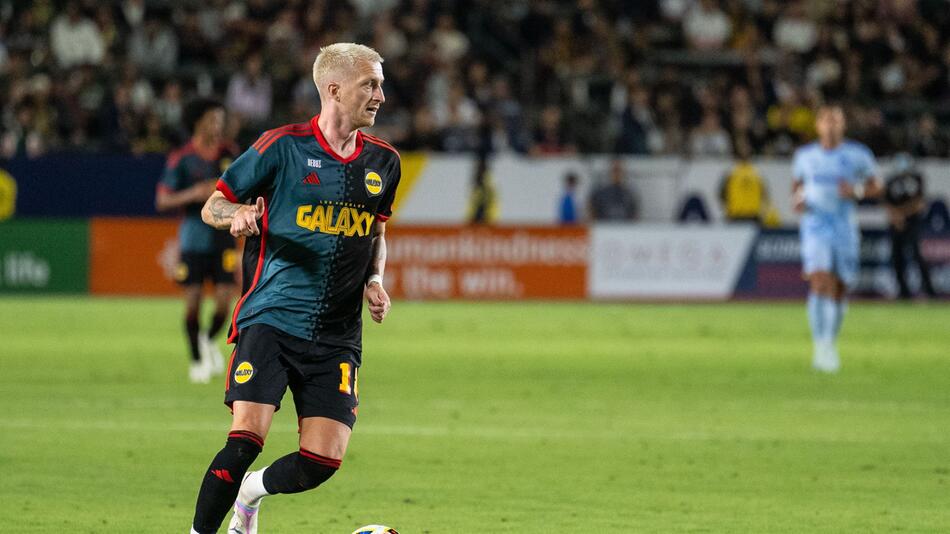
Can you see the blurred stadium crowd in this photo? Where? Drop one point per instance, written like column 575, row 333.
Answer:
column 699, row 77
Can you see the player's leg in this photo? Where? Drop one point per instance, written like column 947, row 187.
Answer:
column 325, row 394
column 221, row 482
column 899, row 263
column 817, row 262
column 223, row 293
column 199, row 371
column 256, row 382
column 913, row 237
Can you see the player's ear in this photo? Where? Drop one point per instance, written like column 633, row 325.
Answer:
column 333, row 89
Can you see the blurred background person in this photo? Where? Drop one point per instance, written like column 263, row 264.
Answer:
column 743, row 192
column 613, row 200
column 567, row 212
column 904, row 198
column 191, row 173
column 483, row 203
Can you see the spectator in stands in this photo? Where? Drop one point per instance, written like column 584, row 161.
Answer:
column 551, row 136
column 927, row 141
column 794, row 31
column 567, row 212
column 249, row 92
column 613, row 201
column 154, row 46
column 22, row 140
column 639, row 133
column 710, row 138
column 75, row 39
column 706, row 27
column 743, row 192
column 483, row 204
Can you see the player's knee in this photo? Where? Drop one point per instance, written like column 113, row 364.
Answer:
column 246, row 444
column 314, row 469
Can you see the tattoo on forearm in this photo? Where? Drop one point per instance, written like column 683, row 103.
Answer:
column 222, row 212
column 379, row 255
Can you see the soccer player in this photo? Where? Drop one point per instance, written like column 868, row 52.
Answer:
column 205, row 253
column 313, row 199
column 831, row 176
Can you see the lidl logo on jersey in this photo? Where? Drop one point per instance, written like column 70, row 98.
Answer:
column 335, row 219
column 315, row 163
column 244, row 372
column 374, row 183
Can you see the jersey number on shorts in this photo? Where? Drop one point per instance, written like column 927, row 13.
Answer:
column 345, row 377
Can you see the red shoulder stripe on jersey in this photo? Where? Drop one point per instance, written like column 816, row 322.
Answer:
column 257, row 276
column 381, row 141
column 272, row 140
column 271, row 135
column 383, row 144
column 175, row 156
column 226, row 190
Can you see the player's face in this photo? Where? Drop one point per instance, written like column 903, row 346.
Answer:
column 362, row 95
column 211, row 125
column 830, row 124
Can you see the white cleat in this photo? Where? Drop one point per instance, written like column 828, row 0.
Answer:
column 199, row 373
column 244, row 520
column 826, row 359
column 211, row 354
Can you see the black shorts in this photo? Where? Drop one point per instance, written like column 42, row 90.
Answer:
column 322, row 379
column 196, row 267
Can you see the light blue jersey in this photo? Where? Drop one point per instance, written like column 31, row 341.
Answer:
column 829, row 228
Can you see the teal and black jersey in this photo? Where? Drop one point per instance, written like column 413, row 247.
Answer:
column 306, row 271
column 184, row 168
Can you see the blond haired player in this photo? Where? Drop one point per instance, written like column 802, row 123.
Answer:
column 313, row 199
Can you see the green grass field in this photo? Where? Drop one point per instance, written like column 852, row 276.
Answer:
column 494, row 418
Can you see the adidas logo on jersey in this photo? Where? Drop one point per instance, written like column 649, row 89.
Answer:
column 312, row 179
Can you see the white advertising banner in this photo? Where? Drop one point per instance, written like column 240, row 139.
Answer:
column 667, row 262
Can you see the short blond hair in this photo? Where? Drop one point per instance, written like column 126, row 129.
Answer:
column 340, row 58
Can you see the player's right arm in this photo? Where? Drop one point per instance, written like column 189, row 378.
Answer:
column 240, row 219
column 251, row 174
column 171, row 193
column 798, row 182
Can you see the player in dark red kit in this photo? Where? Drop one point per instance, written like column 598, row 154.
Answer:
column 205, row 253
column 313, row 199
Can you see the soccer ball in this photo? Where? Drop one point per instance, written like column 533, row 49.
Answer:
column 375, row 529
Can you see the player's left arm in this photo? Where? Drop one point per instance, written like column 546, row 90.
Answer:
column 871, row 187
column 376, row 296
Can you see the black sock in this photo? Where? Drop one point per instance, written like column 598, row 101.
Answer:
column 223, row 479
column 217, row 321
column 191, row 327
column 298, row 471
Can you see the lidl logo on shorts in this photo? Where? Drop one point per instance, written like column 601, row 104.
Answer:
column 374, row 183
column 244, row 372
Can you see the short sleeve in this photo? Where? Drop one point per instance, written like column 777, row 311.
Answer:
column 171, row 176
column 868, row 164
column 798, row 166
column 249, row 174
column 385, row 209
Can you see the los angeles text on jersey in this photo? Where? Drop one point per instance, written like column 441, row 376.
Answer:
column 335, row 218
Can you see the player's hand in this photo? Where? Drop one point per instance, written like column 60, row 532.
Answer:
column 245, row 219
column 845, row 189
column 378, row 301
column 798, row 202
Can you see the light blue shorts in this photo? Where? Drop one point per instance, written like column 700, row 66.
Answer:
column 838, row 256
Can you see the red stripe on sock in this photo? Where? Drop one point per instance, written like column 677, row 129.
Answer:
column 246, row 434
column 322, row 460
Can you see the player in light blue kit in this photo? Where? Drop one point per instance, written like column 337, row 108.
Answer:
column 831, row 176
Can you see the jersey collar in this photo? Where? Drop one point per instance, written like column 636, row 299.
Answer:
column 326, row 146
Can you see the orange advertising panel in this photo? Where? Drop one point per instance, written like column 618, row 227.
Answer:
column 470, row 262
column 133, row 256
